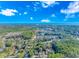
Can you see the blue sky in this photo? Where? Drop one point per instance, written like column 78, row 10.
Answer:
column 39, row 12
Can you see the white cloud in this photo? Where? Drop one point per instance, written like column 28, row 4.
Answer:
column 20, row 14
column 35, row 9
column 72, row 8
column 45, row 20
column 70, row 16
column 53, row 15
column 27, row 6
column 25, row 12
column 31, row 18
column 8, row 12
column 46, row 4
column 36, row 3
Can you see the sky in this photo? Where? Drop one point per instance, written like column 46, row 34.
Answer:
column 39, row 12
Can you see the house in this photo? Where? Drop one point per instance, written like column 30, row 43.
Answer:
column 13, row 35
column 47, row 35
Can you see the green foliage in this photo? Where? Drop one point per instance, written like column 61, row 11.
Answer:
column 28, row 34
column 31, row 52
column 1, row 43
column 70, row 48
column 57, row 55
column 7, row 52
column 8, row 43
column 21, row 54
column 67, row 47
